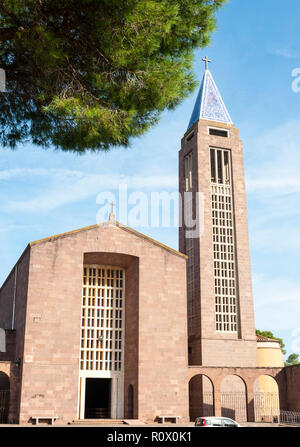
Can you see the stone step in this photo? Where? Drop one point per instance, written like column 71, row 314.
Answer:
column 133, row 422
column 97, row 422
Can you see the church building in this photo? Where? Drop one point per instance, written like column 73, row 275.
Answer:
column 106, row 323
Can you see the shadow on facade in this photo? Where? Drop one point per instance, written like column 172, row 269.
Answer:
column 4, row 397
column 201, row 397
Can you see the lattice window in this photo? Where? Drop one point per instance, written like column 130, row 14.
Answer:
column 102, row 318
column 226, row 299
column 189, row 247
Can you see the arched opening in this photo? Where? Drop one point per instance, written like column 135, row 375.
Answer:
column 201, row 397
column 130, row 402
column 266, row 399
column 4, row 397
column 233, row 398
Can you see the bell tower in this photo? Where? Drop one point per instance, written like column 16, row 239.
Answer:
column 221, row 329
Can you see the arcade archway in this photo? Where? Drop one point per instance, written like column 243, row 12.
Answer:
column 201, row 397
column 234, row 398
column 266, row 399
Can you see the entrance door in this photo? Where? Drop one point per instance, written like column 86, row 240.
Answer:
column 4, row 397
column 130, row 402
column 4, row 406
column 97, row 398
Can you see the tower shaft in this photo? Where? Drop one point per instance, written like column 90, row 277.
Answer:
column 211, row 182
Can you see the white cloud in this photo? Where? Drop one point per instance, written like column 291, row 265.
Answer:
column 9, row 174
column 279, row 185
column 277, row 303
column 277, row 240
column 273, row 189
column 277, row 159
column 9, row 228
column 67, row 186
column 288, row 53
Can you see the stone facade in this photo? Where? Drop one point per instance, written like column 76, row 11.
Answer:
column 165, row 371
column 48, row 321
column 289, row 385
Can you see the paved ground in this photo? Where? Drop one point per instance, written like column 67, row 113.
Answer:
column 156, row 425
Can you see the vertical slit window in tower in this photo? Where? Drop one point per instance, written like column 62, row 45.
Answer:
column 188, row 172
column 226, row 168
column 213, row 165
column 226, row 299
column 220, row 166
column 189, row 248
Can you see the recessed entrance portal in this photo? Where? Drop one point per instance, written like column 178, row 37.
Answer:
column 101, row 377
column 97, row 398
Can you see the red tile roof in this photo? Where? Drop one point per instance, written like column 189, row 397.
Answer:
column 265, row 339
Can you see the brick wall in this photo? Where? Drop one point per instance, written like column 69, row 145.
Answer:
column 289, row 382
column 156, row 356
column 13, row 304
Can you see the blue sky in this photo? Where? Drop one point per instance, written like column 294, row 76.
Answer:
column 254, row 51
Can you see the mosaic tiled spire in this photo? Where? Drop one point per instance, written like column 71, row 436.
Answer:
column 209, row 104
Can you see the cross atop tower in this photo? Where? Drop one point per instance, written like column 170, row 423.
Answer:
column 207, row 61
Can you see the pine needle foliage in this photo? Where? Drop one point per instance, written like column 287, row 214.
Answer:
column 92, row 74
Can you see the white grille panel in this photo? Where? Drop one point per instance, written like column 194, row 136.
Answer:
column 102, row 318
column 224, row 249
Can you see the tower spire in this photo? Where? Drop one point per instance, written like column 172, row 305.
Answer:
column 209, row 103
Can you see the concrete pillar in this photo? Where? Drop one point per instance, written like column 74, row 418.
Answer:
column 217, row 398
column 250, row 401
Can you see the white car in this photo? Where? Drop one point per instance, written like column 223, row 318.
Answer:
column 214, row 421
